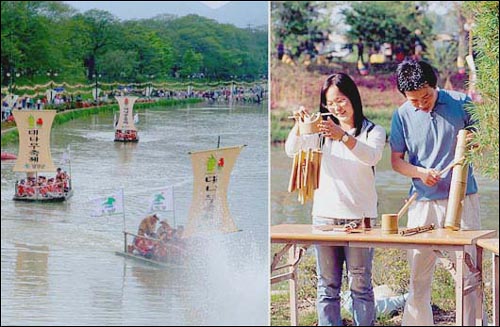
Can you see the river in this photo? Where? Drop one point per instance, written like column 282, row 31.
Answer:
column 58, row 264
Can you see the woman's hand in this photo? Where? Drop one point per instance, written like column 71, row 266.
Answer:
column 331, row 130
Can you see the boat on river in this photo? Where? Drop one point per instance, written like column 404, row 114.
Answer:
column 8, row 156
column 35, row 160
column 208, row 214
column 125, row 130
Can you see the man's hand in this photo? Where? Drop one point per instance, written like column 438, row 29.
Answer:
column 430, row 177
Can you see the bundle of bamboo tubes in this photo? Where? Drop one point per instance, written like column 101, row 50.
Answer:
column 305, row 173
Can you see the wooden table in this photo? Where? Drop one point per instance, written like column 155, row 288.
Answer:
column 297, row 237
column 491, row 244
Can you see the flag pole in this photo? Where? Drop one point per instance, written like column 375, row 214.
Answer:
column 123, row 206
column 69, row 162
column 173, row 205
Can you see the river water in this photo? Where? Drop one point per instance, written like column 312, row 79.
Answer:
column 58, row 264
column 392, row 190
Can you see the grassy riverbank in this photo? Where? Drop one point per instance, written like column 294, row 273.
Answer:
column 62, row 117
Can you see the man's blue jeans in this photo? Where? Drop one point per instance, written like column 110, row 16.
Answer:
column 330, row 263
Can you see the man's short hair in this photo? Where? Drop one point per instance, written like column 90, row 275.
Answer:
column 413, row 75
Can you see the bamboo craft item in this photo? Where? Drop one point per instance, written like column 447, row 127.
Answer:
column 309, row 124
column 416, row 230
column 306, row 163
column 305, row 174
column 458, row 184
column 390, row 221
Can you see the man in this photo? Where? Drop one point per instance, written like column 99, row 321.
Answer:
column 147, row 227
column 360, row 50
column 164, row 231
column 426, row 127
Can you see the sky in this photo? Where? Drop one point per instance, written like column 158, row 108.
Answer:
column 214, row 4
column 132, row 9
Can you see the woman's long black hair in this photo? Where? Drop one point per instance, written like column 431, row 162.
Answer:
column 347, row 86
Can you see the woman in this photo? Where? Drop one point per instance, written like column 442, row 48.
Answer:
column 352, row 145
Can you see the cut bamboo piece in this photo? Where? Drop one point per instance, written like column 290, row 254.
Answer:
column 458, row 184
column 292, row 185
column 318, row 167
column 407, row 205
column 306, row 168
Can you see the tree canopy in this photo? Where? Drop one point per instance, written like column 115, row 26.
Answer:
column 43, row 37
column 400, row 22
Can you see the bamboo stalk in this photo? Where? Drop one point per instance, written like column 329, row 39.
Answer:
column 407, row 205
column 458, row 185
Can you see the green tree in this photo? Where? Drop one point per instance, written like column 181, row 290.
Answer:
column 98, row 29
column 485, row 36
column 191, row 63
column 388, row 21
column 32, row 39
column 299, row 24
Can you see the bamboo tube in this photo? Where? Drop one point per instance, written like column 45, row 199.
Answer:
column 318, row 167
column 306, row 168
column 299, row 170
column 389, row 224
column 458, row 185
column 292, row 185
column 407, row 204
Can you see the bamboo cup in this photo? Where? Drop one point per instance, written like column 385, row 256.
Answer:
column 390, row 221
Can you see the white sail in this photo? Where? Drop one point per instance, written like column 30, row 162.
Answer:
column 126, row 119
column 34, row 128
column 211, row 173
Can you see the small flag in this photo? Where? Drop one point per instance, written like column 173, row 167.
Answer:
column 108, row 205
column 162, row 200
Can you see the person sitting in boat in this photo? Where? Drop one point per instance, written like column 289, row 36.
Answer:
column 164, row 234
column 59, row 185
column 119, row 134
column 51, row 186
column 30, row 187
column 64, row 177
column 143, row 244
column 42, row 185
column 21, row 188
column 164, row 231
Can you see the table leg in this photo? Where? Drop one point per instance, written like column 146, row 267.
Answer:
column 459, row 288
column 480, row 288
column 292, row 282
column 494, row 280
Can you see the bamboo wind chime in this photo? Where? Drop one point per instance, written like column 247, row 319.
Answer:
column 306, row 162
